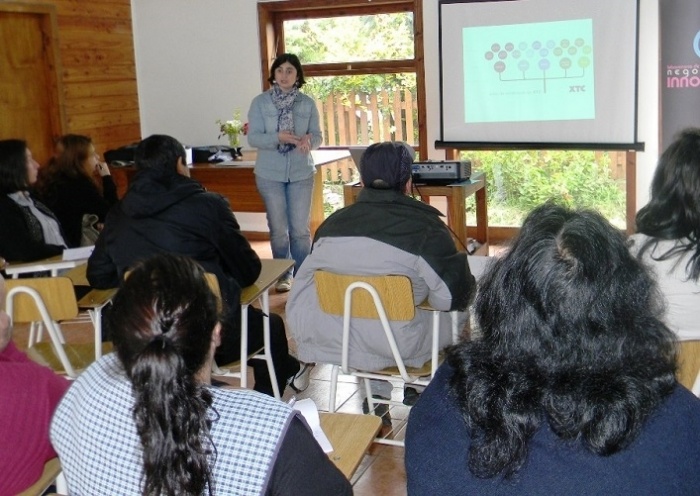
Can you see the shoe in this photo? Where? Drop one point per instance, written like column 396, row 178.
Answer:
column 410, row 396
column 283, row 285
column 299, row 382
column 380, row 410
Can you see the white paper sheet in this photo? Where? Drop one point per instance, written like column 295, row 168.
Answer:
column 81, row 253
column 308, row 409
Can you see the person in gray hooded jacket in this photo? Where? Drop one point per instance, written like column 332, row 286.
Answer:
column 384, row 232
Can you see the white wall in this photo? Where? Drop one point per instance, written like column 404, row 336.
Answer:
column 648, row 113
column 199, row 60
column 196, row 61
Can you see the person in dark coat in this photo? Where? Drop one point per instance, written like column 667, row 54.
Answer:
column 164, row 211
column 28, row 229
column 570, row 389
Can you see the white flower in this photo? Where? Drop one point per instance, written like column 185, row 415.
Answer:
column 231, row 128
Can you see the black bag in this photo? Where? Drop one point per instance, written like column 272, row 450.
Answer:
column 121, row 154
column 202, row 154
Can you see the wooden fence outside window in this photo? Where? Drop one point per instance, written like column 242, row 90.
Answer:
column 357, row 118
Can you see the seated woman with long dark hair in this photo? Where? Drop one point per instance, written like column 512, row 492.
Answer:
column 145, row 420
column 76, row 184
column 28, row 229
column 570, row 389
column 668, row 232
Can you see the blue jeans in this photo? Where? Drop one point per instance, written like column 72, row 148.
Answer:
column 288, row 207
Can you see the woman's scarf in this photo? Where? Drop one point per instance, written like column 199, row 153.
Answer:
column 284, row 102
column 39, row 218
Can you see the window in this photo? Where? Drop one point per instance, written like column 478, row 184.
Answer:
column 363, row 66
column 361, row 63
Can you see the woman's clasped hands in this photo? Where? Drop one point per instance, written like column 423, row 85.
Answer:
column 302, row 143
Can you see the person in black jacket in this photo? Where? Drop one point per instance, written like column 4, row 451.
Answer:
column 76, row 183
column 28, row 230
column 164, row 211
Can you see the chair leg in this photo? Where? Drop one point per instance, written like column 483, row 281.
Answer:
column 271, row 371
column 216, row 370
column 334, row 389
column 244, row 346
column 390, row 442
column 61, row 484
column 96, row 318
column 268, row 348
column 455, row 326
column 436, row 344
column 54, row 332
column 39, row 331
column 32, row 334
column 368, row 394
column 59, row 333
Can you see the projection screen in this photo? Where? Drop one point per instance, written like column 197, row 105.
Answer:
column 538, row 74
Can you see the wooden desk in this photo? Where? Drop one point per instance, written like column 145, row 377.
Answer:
column 236, row 181
column 272, row 269
column 456, row 194
column 51, row 264
column 351, row 435
column 93, row 302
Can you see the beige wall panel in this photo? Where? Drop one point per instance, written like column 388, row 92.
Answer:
column 102, row 119
column 96, row 69
column 104, row 104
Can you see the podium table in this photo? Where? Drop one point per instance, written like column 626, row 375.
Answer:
column 455, row 194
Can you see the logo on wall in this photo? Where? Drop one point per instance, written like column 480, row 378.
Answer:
column 680, row 92
column 685, row 75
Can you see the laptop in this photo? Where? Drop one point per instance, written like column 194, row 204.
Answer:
column 356, row 152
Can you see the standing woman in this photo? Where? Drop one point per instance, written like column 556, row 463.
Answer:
column 77, row 184
column 284, row 127
column 28, row 230
column 668, row 232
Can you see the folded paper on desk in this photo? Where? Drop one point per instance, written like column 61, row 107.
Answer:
column 81, row 253
column 309, row 411
column 221, row 156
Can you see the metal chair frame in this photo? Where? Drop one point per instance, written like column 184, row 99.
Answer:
column 395, row 294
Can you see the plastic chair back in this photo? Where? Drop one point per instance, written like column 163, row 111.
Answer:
column 689, row 365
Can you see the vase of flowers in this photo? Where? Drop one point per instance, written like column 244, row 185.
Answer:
column 232, row 129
